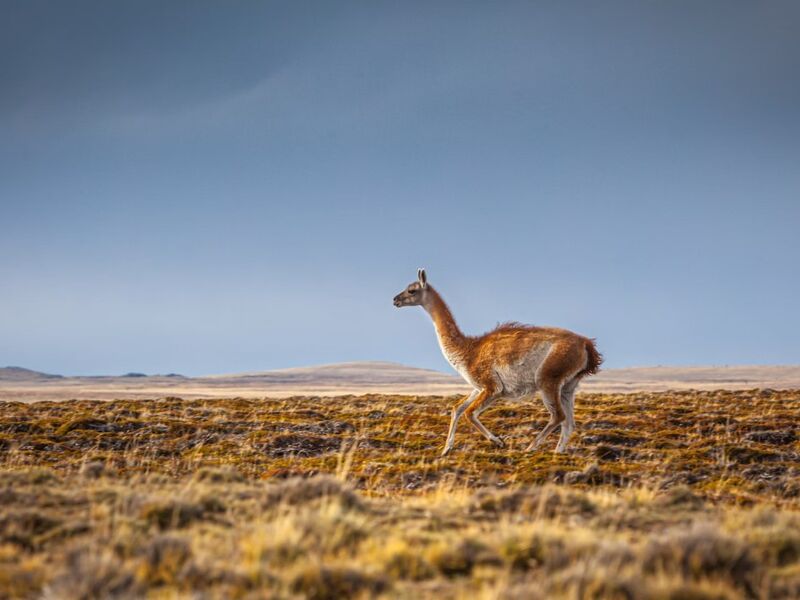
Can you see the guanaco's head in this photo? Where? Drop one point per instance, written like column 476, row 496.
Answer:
column 414, row 294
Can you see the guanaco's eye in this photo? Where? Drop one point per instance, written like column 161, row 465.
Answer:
column 412, row 291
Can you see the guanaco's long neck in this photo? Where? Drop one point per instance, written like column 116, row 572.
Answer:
column 450, row 336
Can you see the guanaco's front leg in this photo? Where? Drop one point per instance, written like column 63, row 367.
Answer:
column 458, row 410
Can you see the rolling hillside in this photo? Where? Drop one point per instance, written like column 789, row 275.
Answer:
column 367, row 377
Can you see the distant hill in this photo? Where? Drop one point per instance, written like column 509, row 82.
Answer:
column 735, row 377
column 361, row 373
column 365, row 378
column 20, row 374
column 374, row 373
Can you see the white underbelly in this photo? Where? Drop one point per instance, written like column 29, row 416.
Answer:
column 518, row 380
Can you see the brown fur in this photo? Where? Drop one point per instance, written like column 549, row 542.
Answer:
column 595, row 359
column 570, row 357
column 508, row 342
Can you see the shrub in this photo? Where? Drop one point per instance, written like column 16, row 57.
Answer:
column 680, row 496
column 590, row 581
column 317, row 531
column 23, row 580
column 543, row 501
column 332, row 583
column 23, row 526
column 93, row 469
column 177, row 514
column 297, row 491
column 700, row 553
column 92, row 575
column 401, row 561
column 692, row 590
column 89, row 423
column 218, row 475
column 773, row 537
column 523, row 553
column 30, row 476
column 459, row 558
column 164, row 558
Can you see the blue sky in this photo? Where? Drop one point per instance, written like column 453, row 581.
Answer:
column 208, row 188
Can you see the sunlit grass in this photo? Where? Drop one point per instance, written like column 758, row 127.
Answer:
column 668, row 495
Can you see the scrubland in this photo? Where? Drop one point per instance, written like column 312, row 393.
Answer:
column 662, row 495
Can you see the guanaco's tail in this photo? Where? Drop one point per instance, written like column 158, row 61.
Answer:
column 593, row 360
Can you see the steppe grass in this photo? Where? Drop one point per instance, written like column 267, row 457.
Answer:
column 669, row 495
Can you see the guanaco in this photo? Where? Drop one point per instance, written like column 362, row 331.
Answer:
column 511, row 361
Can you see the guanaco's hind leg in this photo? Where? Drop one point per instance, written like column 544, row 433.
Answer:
column 551, row 396
column 568, row 404
column 557, row 368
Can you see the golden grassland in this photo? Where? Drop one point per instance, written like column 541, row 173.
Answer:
column 662, row 495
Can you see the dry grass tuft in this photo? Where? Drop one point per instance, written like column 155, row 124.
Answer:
column 541, row 501
column 318, row 582
column 173, row 513
column 218, row 475
column 89, row 574
column 700, row 553
column 298, row 491
column 165, row 557
column 453, row 557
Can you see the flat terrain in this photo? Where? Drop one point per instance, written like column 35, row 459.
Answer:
column 367, row 378
column 663, row 495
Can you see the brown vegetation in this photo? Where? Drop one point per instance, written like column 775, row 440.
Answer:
column 669, row 495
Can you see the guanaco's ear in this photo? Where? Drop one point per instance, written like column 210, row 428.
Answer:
column 423, row 279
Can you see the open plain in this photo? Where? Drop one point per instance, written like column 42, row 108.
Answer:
column 366, row 377
column 683, row 494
